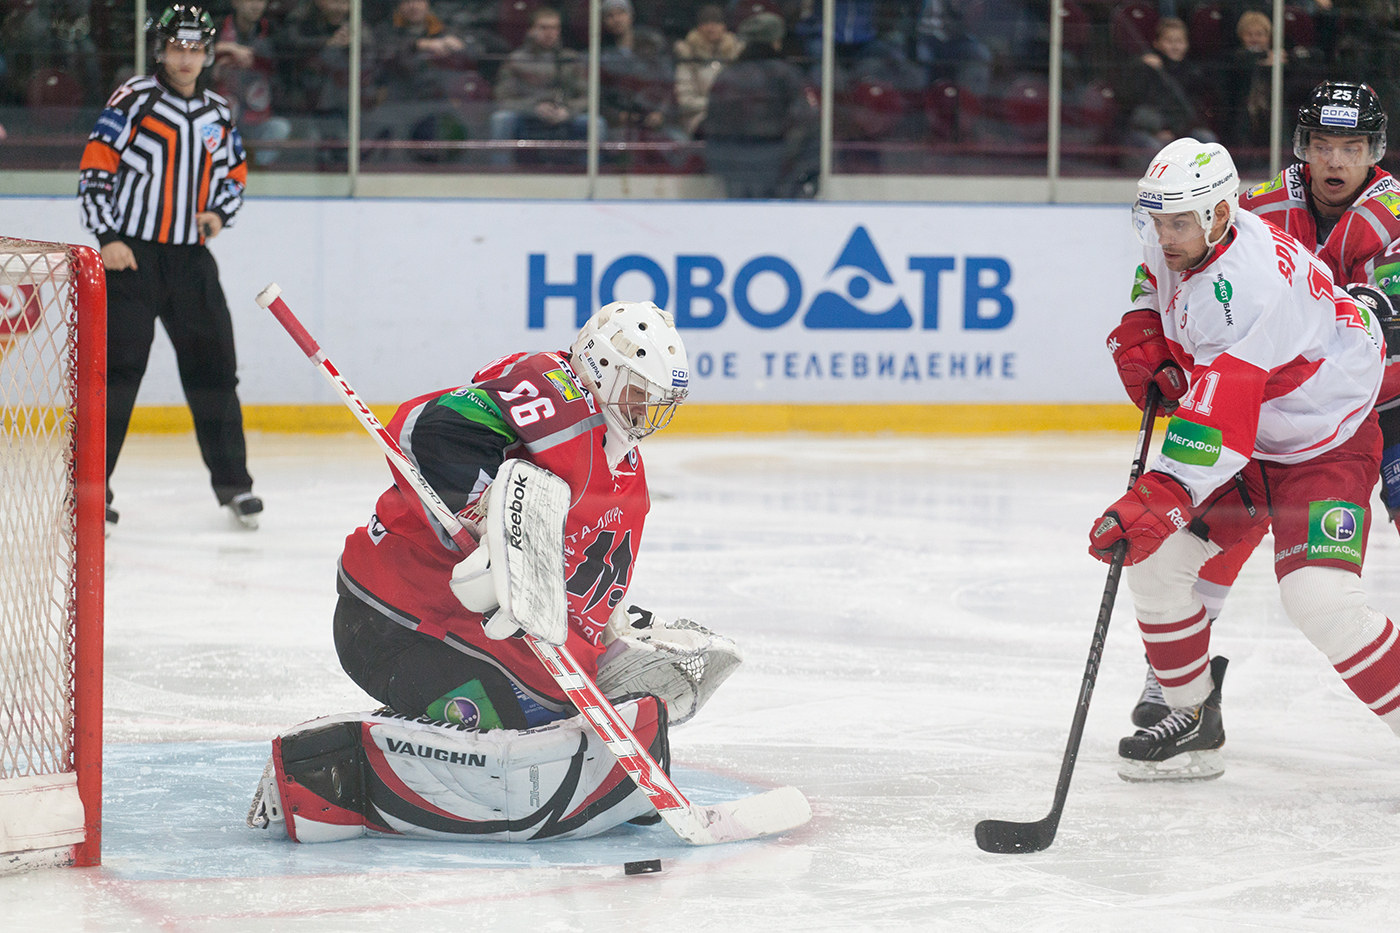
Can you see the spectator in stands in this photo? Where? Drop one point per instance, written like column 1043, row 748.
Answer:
column 945, row 44
column 1161, row 94
column 1250, row 80
column 422, row 62
column 635, row 73
column 415, row 49
column 699, row 57
column 245, row 73
column 760, row 128
column 41, row 39
column 542, row 89
column 318, row 50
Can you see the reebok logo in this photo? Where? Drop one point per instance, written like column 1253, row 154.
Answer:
column 1177, row 519
column 516, row 531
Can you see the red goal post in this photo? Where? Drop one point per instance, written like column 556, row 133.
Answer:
column 53, row 374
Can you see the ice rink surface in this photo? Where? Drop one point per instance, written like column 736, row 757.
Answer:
column 915, row 615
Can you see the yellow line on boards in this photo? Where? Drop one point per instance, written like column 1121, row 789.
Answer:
column 724, row 419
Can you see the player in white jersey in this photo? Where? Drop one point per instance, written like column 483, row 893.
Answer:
column 1274, row 421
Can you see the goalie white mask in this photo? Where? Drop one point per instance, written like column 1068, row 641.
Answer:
column 631, row 358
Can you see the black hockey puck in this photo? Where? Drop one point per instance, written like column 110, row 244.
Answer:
column 644, row 867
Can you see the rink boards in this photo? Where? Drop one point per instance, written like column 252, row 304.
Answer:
column 808, row 316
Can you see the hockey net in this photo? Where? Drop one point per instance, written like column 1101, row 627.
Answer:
column 52, row 483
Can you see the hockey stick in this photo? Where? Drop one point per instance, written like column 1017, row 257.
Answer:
column 772, row 812
column 1005, row 836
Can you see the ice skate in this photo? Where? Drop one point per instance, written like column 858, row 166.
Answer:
column 245, row 508
column 1151, row 706
column 1184, row 746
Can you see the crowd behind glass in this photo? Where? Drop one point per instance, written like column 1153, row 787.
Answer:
column 922, row 87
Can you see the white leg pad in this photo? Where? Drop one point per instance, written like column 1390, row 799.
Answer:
column 350, row 775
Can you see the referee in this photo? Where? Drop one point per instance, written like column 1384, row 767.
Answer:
column 163, row 172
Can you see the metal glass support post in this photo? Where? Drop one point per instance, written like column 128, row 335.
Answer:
column 595, row 46
column 352, row 131
column 827, row 95
column 1276, row 95
column 141, row 37
column 1052, row 136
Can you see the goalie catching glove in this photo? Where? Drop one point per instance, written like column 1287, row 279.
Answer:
column 1156, row 506
column 681, row 662
column 516, row 576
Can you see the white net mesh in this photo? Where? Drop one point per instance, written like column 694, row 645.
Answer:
column 38, row 352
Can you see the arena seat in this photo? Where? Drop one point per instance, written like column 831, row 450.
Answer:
column 1208, row 31
column 514, row 20
column 1131, row 24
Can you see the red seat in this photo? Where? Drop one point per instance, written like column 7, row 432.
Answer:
column 876, row 106
column 1131, row 25
column 53, row 98
column 742, row 11
column 1299, row 30
column 469, row 85
column 1077, row 28
column 1208, row 31
column 514, row 20
column 1094, row 107
column 1025, row 106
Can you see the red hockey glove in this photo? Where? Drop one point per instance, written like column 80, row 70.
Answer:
column 1153, row 508
column 1141, row 352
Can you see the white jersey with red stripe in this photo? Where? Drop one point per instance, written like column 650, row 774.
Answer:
column 1283, row 364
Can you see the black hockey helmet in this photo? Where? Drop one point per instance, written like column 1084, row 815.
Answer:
column 184, row 23
column 1341, row 108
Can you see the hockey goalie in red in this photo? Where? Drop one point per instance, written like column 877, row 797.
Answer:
column 475, row 740
column 1273, row 370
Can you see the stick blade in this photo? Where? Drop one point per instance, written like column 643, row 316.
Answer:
column 1005, row 837
column 776, row 811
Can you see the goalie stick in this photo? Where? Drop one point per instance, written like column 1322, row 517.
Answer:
column 761, row 815
column 1005, row 836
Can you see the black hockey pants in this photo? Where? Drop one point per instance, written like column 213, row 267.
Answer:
column 179, row 285
column 406, row 670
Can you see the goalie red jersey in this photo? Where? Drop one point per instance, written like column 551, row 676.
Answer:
column 528, row 407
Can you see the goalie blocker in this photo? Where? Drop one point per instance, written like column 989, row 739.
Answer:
column 354, row 774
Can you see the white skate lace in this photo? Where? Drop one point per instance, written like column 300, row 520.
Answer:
column 1152, row 690
column 1179, row 720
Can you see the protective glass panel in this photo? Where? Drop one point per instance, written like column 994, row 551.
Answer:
column 59, row 62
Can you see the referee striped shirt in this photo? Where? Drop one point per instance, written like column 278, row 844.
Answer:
column 155, row 160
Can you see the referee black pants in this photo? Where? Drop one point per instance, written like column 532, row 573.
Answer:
column 179, row 286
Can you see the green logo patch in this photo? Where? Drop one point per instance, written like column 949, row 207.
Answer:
column 1139, row 283
column 1390, row 201
column 1334, row 531
column 1224, row 291
column 1201, row 159
column 1266, row 187
column 1188, row 442
column 564, row 384
column 1388, row 278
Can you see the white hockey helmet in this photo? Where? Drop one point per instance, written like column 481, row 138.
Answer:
column 1187, row 175
column 631, row 358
